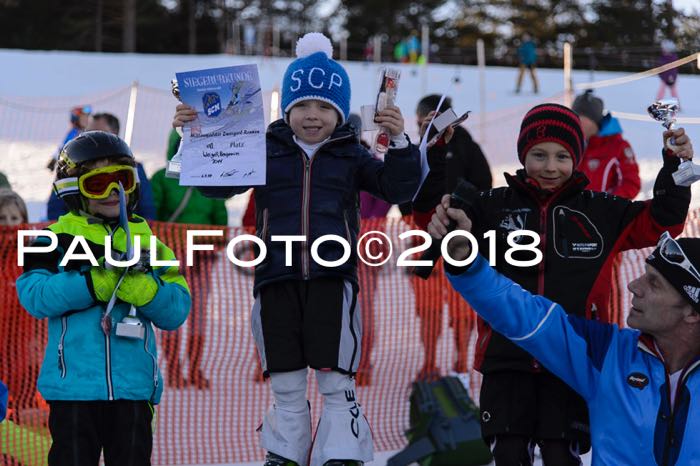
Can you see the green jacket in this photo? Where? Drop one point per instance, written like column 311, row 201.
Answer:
column 167, row 195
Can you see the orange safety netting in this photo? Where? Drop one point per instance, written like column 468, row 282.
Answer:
column 214, row 396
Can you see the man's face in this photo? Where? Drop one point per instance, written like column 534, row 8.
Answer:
column 657, row 308
column 99, row 124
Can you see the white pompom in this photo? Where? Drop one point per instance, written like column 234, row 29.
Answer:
column 313, row 42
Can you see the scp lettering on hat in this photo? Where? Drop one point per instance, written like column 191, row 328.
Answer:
column 316, row 79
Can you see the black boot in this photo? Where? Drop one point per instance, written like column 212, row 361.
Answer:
column 276, row 460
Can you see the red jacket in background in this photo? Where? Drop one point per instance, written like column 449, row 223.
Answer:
column 609, row 163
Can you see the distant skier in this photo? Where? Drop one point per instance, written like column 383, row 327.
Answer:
column 668, row 78
column 527, row 56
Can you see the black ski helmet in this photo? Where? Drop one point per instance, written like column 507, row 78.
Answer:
column 90, row 146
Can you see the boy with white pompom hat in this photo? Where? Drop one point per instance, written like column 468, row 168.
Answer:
column 305, row 314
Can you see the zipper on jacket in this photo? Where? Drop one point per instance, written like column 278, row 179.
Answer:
column 263, row 234
column 108, row 368
column 305, row 204
column 543, row 241
column 61, row 355
column 669, row 432
column 561, row 218
column 108, row 350
column 305, row 217
column 154, row 359
column 347, row 228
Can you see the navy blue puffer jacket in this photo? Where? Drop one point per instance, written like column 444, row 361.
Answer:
column 319, row 196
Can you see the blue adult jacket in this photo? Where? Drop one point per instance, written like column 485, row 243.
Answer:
column 617, row 371
column 80, row 361
column 320, row 196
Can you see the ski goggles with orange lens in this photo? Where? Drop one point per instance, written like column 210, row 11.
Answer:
column 99, row 183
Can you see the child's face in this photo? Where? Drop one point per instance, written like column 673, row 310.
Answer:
column 109, row 206
column 313, row 121
column 10, row 215
column 550, row 164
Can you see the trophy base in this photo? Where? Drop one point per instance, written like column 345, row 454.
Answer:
column 175, row 164
column 131, row 327
column 173, row 170
column 687, row 174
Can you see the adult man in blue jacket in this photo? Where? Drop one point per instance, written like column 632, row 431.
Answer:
column 642, row 385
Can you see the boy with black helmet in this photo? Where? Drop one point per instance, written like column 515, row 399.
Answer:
column 100, row 384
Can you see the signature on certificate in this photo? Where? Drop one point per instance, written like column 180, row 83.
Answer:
column 250, row 173
column 229, row 173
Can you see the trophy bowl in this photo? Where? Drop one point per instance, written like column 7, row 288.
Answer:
column 664, row 111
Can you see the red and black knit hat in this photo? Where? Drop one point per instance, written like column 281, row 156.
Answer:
column 551, row 123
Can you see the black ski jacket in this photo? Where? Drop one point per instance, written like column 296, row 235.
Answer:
column 580, row 233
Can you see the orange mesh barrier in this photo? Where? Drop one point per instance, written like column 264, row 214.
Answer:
column 214, row 397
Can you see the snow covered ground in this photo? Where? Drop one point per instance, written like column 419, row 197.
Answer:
column 38, row 89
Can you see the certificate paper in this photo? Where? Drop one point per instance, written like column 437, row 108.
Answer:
column 225, row 145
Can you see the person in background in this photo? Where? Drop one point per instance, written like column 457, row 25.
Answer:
column 413, row 49
column 608, row 160
column 527, row 57
column 186, row 205
column 400, row 51
column 145, row 208
column 669, row 78
column 372, row 215
column 21, row 341
column 79, row 117
column 13, row 210
column 609, row 164
column 460, row 159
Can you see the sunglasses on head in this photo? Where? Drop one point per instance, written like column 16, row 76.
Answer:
column 671, row 252
column 99, row 183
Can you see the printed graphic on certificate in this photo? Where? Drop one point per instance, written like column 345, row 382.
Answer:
column 225, row 145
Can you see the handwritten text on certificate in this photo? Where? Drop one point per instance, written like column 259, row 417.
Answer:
column 225, row 145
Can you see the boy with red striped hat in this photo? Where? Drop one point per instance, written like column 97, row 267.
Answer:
column 579, row 232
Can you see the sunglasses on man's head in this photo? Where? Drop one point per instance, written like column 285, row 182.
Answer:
column 99, row 183
column 671, row 252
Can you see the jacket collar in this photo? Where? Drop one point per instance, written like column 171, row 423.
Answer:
column 524, row 184
column 647, row 344
column 282, row 133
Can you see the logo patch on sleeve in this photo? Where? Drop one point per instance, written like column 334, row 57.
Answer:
column 637, row 380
